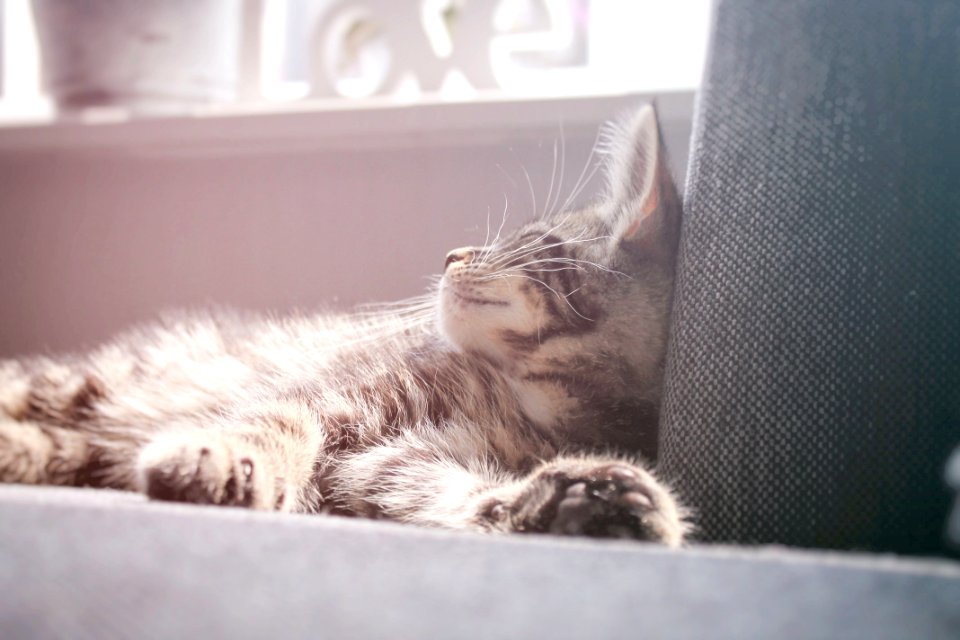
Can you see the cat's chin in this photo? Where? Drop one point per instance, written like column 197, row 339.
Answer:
column 465, row 322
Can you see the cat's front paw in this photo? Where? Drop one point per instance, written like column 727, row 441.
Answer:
column 603, row 499
column 208, row 468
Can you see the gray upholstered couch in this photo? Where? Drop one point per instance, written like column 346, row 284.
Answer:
column 813, row 397
column 87, row 564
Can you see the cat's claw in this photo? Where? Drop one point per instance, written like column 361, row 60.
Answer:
column 603, row 500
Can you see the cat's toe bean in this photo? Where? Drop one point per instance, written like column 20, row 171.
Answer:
column 573, row 512
column 493, row 512
column 611, row 500
column 622, row 473
column 638, row 500
column 577, row 490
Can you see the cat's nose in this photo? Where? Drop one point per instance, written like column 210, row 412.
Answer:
column 462, row 254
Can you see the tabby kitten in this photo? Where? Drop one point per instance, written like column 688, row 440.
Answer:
column 543, row 351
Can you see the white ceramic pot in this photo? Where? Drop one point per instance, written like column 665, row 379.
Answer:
column 155, row 56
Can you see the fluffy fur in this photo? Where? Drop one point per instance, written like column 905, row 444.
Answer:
column 491, row 404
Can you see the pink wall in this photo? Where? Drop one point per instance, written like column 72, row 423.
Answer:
column 92, row 241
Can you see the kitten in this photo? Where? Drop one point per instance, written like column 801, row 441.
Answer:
column 491, row 405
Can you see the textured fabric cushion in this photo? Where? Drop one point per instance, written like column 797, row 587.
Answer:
column 79, row 564
column 813, row 390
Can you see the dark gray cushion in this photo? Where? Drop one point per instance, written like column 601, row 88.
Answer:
column 82, row 563
column 813, row 390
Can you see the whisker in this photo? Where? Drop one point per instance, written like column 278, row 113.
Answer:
column 563, row 158
column 488, row 247
column 579, row 261
column 513, row 183
column 493, row 276
column 555, row 292
column 571, row 199
column 581, row 183
column 543, row 235
column 486, row 236
column 379, row 327
column 501, row 259
column 533, row 197
column 553, row 175
column 532, row 250
column 548, row 261
column 411, row 308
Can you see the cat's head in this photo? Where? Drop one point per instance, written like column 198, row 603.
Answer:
column 578, row 289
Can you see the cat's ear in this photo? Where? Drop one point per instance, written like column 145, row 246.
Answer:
column 642, row 205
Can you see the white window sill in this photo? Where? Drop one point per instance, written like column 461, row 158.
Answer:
column 369, row 123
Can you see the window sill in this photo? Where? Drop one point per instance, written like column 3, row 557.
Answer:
column 335, row 124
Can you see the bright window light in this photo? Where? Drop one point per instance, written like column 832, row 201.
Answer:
column 432, row 49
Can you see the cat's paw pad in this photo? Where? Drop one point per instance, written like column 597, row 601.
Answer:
column 603, row 500
column 207, row 469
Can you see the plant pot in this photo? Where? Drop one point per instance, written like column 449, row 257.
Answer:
column 153, row 57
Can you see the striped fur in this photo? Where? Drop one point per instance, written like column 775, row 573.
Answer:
column 490, row 404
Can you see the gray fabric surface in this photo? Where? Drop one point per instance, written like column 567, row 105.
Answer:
column 813, row 390
column 80, row 563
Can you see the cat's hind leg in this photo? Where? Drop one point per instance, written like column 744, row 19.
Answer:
column 45, row 428
column 14, row 390
column 49, row 392
column 32, row 453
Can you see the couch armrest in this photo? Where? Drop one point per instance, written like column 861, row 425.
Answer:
column 813, row 385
